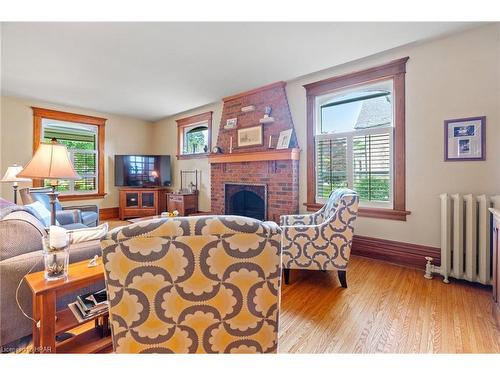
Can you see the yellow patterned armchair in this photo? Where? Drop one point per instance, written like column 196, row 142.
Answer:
column 206, row 284
column 321, row 241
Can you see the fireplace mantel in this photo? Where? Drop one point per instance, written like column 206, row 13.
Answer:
column 241, row 157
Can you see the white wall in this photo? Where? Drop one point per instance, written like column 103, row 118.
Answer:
column 123, row 135
column 452, row 77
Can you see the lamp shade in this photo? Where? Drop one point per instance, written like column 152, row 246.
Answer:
column 11, row 174
column 51, row 161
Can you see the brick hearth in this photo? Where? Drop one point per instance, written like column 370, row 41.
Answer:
column 279, row 176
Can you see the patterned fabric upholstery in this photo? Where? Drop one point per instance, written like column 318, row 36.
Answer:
column 206, row 284
column 321, row 241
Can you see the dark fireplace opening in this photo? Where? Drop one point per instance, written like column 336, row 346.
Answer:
column 246, row 200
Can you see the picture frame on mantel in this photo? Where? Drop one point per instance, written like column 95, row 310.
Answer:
column 465, row 139
column 284, row 139
column 252, row 136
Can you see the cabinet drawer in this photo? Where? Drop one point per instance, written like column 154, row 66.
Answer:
column 175, row 198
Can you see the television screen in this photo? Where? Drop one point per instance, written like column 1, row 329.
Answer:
column 142, row 170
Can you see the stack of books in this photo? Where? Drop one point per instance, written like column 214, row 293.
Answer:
column 90, row 305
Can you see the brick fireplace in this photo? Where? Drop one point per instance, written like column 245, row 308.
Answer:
column 256, row 181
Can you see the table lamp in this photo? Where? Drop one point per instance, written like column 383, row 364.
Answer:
column 11, row 176
column 51, row 161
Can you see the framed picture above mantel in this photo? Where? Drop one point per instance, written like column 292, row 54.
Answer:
column 251, row 136
column 465, row 139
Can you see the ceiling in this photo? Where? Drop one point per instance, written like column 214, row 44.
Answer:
column 154, row 70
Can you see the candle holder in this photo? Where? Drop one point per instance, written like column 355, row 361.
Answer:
column 56, row 260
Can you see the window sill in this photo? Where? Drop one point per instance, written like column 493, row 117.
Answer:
column 193, row 156
column 372, row 212
column 80, row 197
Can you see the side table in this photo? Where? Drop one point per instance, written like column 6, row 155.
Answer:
column 52, row 322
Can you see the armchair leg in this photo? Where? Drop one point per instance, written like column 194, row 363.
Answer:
column 286, row 272
column 342, row 278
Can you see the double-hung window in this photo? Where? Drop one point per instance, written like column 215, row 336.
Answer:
column 84, row 137
column 356, row 139
column 81, row 140
column 353, row 142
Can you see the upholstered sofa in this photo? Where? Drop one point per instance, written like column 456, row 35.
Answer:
column 20, row 251
column 206, row 284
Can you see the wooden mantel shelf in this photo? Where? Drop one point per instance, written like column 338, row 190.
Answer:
column 240, row 157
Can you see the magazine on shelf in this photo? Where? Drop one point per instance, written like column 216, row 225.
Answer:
column 93, row 301
column 88, row 306
column 80, row 316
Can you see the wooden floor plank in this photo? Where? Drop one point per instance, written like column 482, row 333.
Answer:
column 386, row 308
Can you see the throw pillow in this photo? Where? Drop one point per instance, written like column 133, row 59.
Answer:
column 88, row 234
column 41, row 212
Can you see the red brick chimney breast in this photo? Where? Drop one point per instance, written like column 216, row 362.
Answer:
column 280, row 176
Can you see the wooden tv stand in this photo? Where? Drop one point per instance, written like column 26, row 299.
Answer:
column 139, row 202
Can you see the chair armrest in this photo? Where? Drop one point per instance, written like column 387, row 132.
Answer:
column 69, row 217
column 83, row 208
column 272, row 227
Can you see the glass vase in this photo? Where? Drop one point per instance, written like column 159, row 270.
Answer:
column 56, row 261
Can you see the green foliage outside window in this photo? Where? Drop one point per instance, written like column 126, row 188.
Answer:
column 84, row 163
column 195, row 140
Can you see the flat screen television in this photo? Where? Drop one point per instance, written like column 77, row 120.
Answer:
column 142, row 170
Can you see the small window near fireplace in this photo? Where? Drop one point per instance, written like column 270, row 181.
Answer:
column 194, row 136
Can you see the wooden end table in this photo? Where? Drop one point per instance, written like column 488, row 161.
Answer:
column 52, row 322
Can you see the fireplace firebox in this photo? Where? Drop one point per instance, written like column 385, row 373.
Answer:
column 246, row 200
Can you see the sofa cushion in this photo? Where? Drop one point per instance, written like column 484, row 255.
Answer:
column 88, row 234
column 89, row 217
column 74, row 226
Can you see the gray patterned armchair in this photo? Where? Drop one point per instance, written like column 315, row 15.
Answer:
column 322, row 240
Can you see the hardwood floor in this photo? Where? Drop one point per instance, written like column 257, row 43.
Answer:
column 385, row 309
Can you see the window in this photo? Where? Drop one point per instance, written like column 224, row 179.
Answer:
column 81, row 142
column 194, row 136
column 84, row 138
column 356, row 129
column 353, row 143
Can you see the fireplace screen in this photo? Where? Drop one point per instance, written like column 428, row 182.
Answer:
column 246, row 200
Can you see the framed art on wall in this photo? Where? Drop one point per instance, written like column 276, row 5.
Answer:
column 250, row 136
column 465, row 139
column 231, row 123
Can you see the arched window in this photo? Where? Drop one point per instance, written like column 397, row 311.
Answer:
column 194, row 136
column 195, row 140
